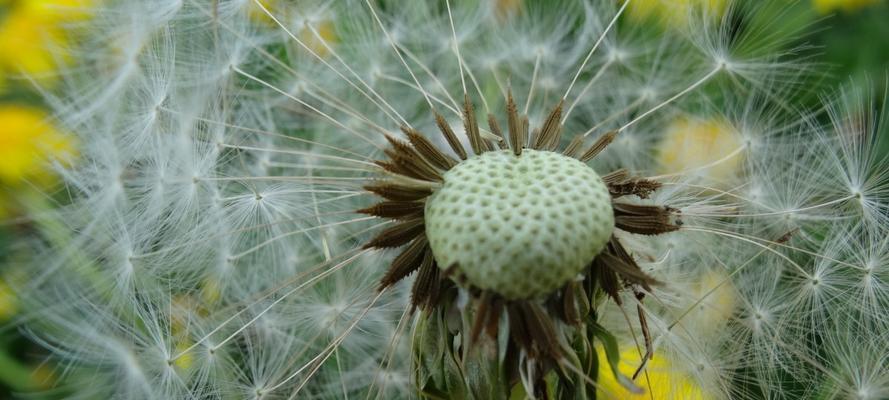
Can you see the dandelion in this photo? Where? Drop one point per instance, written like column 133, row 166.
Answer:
column 34, row 36
column 29, row 146
column 454, row 200
column 710, row 147
column 664, row 380
column 29, row 142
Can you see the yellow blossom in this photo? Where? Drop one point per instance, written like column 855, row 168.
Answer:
column 674, row 13
column 317, row 35
column 710, row 148
column 660, row 381
column 258, row 11
column 33, row 36
column 27, row 142
column 57, row 10
column 828, row 6
column 714, row 300
column 186, row 359
column 718, row 293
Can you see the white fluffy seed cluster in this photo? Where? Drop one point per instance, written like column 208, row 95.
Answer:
column 206, row 245
column 521, row 226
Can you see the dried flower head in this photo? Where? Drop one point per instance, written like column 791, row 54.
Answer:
column 386, row 199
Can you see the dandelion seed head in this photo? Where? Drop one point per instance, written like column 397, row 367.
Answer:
column 210, row 222
column 488, row 216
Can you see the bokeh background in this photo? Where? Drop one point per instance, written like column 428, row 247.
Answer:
column 847, row 42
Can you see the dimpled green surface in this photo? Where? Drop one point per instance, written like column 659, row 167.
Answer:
column 520, row 226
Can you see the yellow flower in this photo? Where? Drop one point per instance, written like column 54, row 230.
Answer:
column 660, row 381
column 186, row 360
column 674, row 13
column 27, row 142
column 709, row 148
column 828, row 6
column 326, row 34
column 719, row 301
column 256, row 12
column 57, row 10
column 721, row 297
column 33, row 36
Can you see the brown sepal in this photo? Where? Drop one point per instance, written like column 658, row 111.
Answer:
column 621, row 262
column 406, row 263
column 574, row 146
column 428, row 150
column 449, row 135
column 470, row 125
column 495, row 129
column 394, row 192
column 569, row 306
column 540, row 328
column 633, row 186
column 644, row 219
column 518, row 330
column 616, row 176
column 550, row 132
column 395, row 209
column 409, row 161
column 525, row 127
column 482, row 312
column 428, row 285
column 397, row 235
column 600, row 144
column 516, row 135
column 605, row 278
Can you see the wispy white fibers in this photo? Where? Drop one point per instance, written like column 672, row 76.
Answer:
column 208, row 245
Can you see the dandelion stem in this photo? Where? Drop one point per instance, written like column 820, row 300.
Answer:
column 271, row 134
column 615, row 114
column 685, row 91
column 747, row 240
column 769, row 214
column 328, row 351
column 323, row 61
column 390, row 352
column 595, row 46
column 296, row 232
column 533, row 82
column 727, row 157
column 333, row 53
column 587, row 87
column 714, row 289
column 456, row 45
column 303, row 103
column 454, row 105
column 277, row 301
column 415, row 87
column 310, row 154
column 373, row 12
